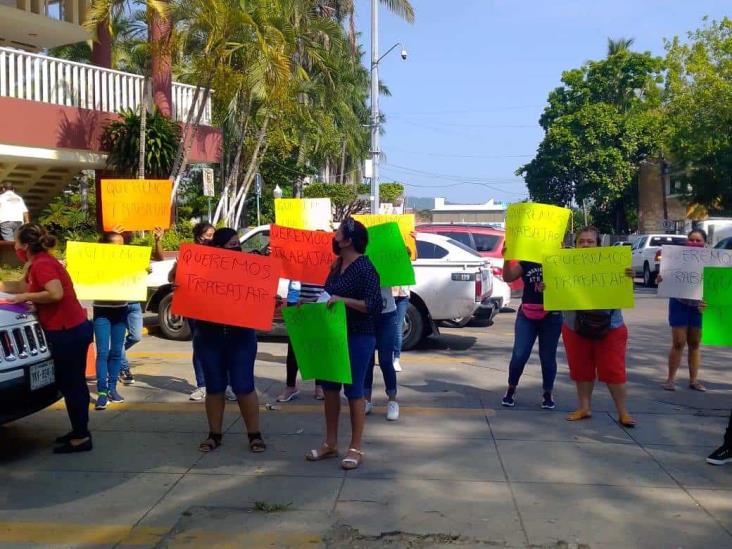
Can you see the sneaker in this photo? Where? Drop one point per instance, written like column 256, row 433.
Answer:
column 548, row 403
column 508, row 401
column 368, row 407
column 126, row 377
column 102, row 402
column 114, row 396
column 290, row 393
column 392, row 410
column 397, row 365
column 198, row 395
column 230, row 394
column 720, row 456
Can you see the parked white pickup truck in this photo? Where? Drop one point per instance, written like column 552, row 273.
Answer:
column 27, row 375
column 646, row 251
column 451, row 282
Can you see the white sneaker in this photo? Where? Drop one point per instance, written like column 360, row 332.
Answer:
column 368, row 407
column 230, row 394
column 198, row 394
column 397, row 366
column 392, row 411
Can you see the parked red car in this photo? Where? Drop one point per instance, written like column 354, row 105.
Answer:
column 485, row 239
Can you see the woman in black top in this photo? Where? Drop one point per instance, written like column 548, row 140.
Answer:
column 354, row 281
column 532, row 321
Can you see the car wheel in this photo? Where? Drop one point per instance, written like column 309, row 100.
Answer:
column 648, row 277
column 172, row 326
column 413, row 328
column 459, row 322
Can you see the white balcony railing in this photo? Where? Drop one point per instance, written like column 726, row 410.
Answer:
column 49, row 80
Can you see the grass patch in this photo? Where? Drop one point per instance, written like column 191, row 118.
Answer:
column 264, row 507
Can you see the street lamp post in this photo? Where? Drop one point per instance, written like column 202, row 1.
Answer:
column 375, row 114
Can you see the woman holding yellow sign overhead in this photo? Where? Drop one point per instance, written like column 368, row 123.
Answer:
column 596, row 342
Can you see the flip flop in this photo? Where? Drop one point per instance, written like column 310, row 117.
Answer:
column 627, row 421
column 668, row 386
column 578, row 415
column 320, row 455
column 696, row 386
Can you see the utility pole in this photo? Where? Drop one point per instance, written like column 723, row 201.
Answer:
column 375, row 116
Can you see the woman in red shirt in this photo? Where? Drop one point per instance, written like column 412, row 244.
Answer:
column 68, row 331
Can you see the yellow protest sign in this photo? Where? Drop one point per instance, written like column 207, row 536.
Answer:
column 108, row 272
column 405, row 222
column 310, row 214
column 533, row 230
column 588, row 278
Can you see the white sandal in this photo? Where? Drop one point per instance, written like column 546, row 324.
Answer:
column 349, row 464
column 324, row 452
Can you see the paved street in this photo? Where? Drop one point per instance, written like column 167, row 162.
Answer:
column 457, row 469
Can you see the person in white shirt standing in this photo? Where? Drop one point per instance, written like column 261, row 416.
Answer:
column 13, row 212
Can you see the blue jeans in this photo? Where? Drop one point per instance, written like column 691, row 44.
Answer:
column 227, row 355
column 134, row 331
column 548, row 331
column 110, row 327
column 361, row 351
column 402, row 303
column 386, row 329
column 197, row 365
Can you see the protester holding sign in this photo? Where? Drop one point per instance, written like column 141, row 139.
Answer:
column 68, row 332
column 386, row 333
column 532, row 322
column 354, row 281
column 110, row 328
column 684, row 317
column 595, row 343
column 227, row 353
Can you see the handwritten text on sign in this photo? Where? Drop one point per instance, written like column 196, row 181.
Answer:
column 311, row 214
column 406, row 224
column 136, row 204
column 682, row 269
column 588, row 278
column 226, row 287
column 108, row 271
column 319, row 339
column 306, row 255
column 533, row 230
column 718, row 297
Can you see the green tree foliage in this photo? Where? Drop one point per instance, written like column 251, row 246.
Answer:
column 699, row 103
column 390, row 192
column 344, row 198
column 599, row 125
column 121, row 139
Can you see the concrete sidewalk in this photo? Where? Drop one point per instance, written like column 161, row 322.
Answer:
column 455, row 470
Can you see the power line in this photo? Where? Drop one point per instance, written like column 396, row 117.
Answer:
column 470, row 111
column 435, row 175
column 445, row 155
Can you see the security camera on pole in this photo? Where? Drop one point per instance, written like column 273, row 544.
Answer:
column 375, row 115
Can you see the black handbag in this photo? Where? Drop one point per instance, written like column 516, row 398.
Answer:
column 592, row 324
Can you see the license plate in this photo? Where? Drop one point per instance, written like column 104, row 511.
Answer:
column 42, row 375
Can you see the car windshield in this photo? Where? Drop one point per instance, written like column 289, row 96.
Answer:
column 462, row 246
column 486, row 242
column 668, row 241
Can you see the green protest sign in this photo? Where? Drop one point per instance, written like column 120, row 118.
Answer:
column 319, row 339
column 717, row 316
column 388, row 252
column 582, row 279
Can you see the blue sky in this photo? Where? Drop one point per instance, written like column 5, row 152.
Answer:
column 466, row 102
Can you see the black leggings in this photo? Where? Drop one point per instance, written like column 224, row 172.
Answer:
column 728, row 434
column 68, row 350
column 291, row 366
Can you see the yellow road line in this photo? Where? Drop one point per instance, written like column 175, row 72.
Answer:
column 411, row 360
column 197, row 408
column 52, row 533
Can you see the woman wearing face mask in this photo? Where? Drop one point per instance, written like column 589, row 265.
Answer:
column 354, row 281
column 110, row 328
column 227, row 353
column 684, row 317
column 68, row 332
column 595, row 343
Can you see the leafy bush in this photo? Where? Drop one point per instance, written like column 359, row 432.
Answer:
column 172, row 239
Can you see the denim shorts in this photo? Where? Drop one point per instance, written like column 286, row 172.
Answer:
column 681, row 315
column 227, row 354
column 360, row 349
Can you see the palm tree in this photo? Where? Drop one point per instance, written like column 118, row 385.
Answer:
column 344, row 10
column 619, row 45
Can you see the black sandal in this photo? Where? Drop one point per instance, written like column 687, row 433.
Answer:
column 69, row 448
column 256, row 443
column 211, row 443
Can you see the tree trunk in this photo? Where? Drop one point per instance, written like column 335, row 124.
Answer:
column 160, row 31
column 251, row 169
column 342, row 173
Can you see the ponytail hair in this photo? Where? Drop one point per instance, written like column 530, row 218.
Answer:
column 35, row 237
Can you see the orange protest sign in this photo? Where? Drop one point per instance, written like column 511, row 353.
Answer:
column 306, row 255
column 226, row 287
column 135, row 204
